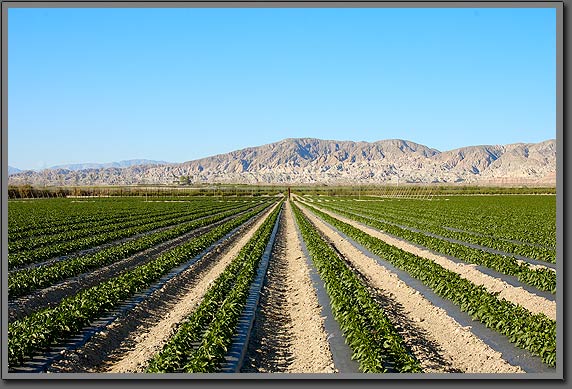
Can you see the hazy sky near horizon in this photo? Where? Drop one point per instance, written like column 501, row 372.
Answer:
column 102, row 85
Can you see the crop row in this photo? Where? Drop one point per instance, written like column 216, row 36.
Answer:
column 533, row 332
column 39, row 217
column 28, row 280
column 42, row 328
column 50, row 216
column 105, row 227
column 372, row 337
column 435, row 226
column 66, row 244
column 64, row 225
column 527, row 219
column 541, row 278
column 63, row 248
column 202, row 340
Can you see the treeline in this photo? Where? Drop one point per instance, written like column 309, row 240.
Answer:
column 30, row 192
column 417, row 191
column 404, row 191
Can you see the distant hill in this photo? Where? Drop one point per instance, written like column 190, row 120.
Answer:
column 120, row 164
column 309, row 160
column 13, row 170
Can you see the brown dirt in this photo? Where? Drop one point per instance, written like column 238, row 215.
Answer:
column 517, row 295
column 288, row 334
column 438, row 341
column 126, row 345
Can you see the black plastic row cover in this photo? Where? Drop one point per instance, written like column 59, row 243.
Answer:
column 239, row 343
column 341, row 352
column 452, row 240
column 40, row 363
column 498, row 342
column 512, row 280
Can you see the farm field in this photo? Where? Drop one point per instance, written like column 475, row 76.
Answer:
column 268, row 284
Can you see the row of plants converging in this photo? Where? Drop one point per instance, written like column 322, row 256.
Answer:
column 71, row 233
column 28, row 218
column 43, row 328
column 530, row 219
column 523, row 218
column 25, row 281
column 371, row 336
column 436, row 225
column 541, row 278
column 17, row 239
column 67, row 244
column 202, row 340
column 533, row 332
column 63, row 248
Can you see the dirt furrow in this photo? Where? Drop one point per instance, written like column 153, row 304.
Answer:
column 52, row 295
column 515, row 294
column 130, row 341
column 533, row 263
column 288, row 334
column 102, row 246
column 89, row 250
column 440, row 343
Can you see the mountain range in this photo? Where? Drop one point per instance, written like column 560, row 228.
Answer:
column 89, row 165
column 309, row 160
column 120, row 164
column 13, row 170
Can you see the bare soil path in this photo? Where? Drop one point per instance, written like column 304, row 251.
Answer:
column 517, row 295
column 288, row 334
column 437, row 340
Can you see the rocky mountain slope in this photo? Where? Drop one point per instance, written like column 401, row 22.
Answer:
column 308, row 160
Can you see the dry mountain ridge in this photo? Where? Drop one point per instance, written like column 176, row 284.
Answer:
column 309, row 160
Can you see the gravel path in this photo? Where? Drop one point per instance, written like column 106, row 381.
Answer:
column 288, row 334
column 517, row 295
column 438, row 341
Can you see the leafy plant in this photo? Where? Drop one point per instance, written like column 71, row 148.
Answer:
column 43, row 328
column 533, row 332
column 541, row 278
column 202, row 340
column 25, row 281
column 368, row 331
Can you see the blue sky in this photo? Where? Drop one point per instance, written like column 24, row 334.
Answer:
column 102, row 85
